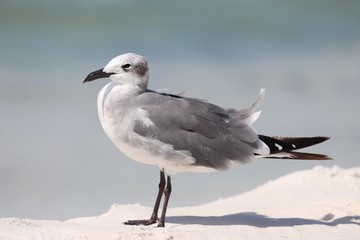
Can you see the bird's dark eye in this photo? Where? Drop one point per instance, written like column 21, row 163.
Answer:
column 126, row 66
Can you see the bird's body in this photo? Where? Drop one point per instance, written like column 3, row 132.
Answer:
column 178, row 133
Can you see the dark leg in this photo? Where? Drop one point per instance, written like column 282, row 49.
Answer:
column 154, row 215
column 166, row 201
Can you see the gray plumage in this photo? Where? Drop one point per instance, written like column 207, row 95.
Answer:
column 209, row 132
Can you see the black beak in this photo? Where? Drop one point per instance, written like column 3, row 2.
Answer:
column 96, row 75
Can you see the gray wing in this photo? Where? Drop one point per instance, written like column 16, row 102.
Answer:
column 213, row 135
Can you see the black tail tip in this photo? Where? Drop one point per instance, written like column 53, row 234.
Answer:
column 285, row 147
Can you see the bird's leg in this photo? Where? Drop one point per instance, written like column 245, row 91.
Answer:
column 154, row 215
column 166, row 201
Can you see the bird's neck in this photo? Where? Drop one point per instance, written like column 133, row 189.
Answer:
column 125, row 91
column 113, row 96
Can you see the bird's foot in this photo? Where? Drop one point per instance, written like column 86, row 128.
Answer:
column 145, row 222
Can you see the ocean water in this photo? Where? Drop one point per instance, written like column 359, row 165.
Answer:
column 57, row 163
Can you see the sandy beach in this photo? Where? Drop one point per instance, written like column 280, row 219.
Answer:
column 321, row 203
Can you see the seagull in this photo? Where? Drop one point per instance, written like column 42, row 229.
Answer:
column 181, row 134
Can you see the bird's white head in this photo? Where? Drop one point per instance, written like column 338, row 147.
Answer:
column 126, row 69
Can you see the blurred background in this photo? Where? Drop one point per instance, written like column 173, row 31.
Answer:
column 57, row 163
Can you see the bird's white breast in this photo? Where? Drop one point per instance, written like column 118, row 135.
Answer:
column 118, row 117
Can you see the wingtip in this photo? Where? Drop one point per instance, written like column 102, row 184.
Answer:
column 322, row 138
column 293, row 155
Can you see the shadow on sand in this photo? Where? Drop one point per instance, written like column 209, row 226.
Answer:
column 261, row 221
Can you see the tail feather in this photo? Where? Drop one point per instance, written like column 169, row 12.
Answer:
column 284, row 147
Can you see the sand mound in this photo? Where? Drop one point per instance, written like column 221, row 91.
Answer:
column 322, row 203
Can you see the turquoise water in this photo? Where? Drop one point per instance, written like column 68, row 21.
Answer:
column 55, row 160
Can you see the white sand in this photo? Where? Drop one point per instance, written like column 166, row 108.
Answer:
column 322, row 203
